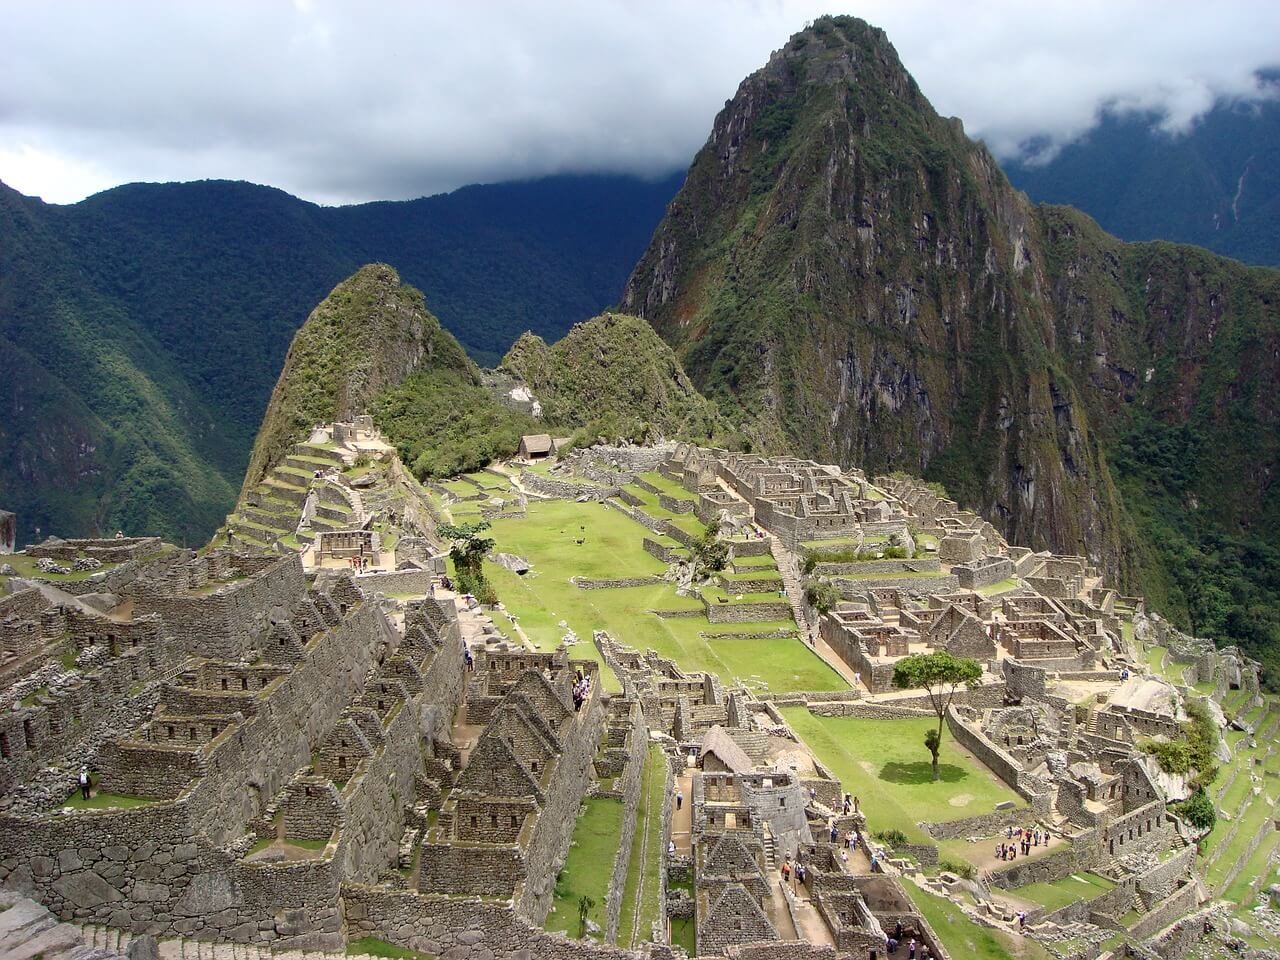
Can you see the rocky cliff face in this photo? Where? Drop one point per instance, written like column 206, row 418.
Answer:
column 860, row 276
column 861, row 280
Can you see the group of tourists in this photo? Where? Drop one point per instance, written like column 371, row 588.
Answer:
column 581, row 690
column 915, row 951
column 850, row 804
column 790, row 871
column 360, row 563
column 1020, row 839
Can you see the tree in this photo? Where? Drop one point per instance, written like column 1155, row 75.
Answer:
column 467, row 553
column 584, row 907
column 822, row 594
column 941, row 675
column 1198, row 810
column 710, row 553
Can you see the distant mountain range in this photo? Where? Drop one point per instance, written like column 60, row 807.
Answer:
column 1216, row 185
column 142, row 329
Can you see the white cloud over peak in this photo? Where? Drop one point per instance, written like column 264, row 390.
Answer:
column 341, row 101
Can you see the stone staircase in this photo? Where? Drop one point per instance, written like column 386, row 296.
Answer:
column 791, row 582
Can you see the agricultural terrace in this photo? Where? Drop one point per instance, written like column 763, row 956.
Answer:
column 611, row 547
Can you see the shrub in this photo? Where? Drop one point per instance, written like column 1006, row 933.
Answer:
column 961, row 868
column 893, row 837
column 1174, row 756
column 822, row 594
column 1198, row 810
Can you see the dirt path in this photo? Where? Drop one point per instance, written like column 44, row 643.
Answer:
column 682, row 819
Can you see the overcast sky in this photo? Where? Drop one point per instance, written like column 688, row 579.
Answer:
column 345, row 101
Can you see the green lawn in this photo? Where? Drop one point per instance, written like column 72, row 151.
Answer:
column 27, row 567
column 885, row 764
column 612, row 548
column 644, row 869
column 103, row 801
column 1257, row 865
column 1060, row 893
column 588, row 866
column 964, row 938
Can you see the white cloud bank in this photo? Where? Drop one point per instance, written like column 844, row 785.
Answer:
column 345, row 101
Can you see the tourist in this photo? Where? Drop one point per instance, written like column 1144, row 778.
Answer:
column 892, row 945
column 911, row 949
column 1022, row 920
column 813, row 794
column 855, row 804
column 844, row 856
column 679, row 798
column 786, row 871
column 85, row 782
column 835, row 833
column 671, row 848
column 897, row 930
column 848, row 801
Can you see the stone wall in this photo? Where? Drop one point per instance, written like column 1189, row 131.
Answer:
column 628, row 785
column 416, row 582
column 852, row 589
column 565, row 489
column 1174, row 908
column 1084, row 853
column 467, row 929
column 747, row 612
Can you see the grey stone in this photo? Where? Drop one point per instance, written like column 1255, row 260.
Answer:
column 86, row 889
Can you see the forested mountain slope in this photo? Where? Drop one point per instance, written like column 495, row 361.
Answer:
column 142, row 329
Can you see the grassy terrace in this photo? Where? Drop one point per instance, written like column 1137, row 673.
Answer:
column 643, row 885
column 373, row 947
column 885, row 764
column 103, row 801
column 26, row 567
column 588, row 866
column 612, row 549
column 1002, row 586
column 1068, row 890
column 965, row 938
column 669, row 487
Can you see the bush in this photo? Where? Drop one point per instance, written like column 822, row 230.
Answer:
column 893, row 837
column 961, row 868
column 1198, row 810
column 1174, row 756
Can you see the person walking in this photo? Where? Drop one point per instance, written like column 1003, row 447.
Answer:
column 911, row 949
column 86, row 782
column 679, row 798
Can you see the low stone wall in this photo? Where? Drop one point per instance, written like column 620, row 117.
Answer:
column 850, row 589
column 887, row 567
column 867, row 711
column 982, row 825
column 748, row 612
column 1113, row 903
column 564, row 489
column 583, row 583
column 1004, row 765
column 748, row 634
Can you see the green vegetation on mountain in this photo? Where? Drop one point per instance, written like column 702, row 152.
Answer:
column 857, row 279
column 614, row 376
column 143, row 328
column 1217, row 184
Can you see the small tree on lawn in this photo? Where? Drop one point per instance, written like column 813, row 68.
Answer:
column 467, row 553
column 941, row 675
column 584, row 907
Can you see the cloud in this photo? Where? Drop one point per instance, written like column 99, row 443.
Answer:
column 342, row 101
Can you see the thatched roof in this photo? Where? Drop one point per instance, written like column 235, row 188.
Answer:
column 717, row 741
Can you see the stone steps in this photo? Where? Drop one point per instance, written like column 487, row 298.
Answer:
column 117, row 941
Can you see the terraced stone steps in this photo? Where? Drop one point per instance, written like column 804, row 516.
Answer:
column 117, row 941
